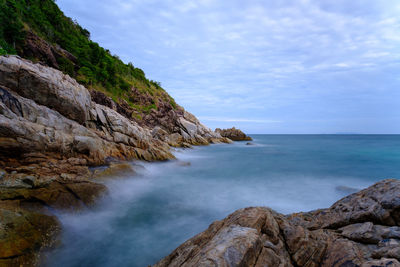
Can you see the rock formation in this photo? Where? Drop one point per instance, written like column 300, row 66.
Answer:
column 362, row 229
column 45, row 111
column 233, row 134
column 52, row 129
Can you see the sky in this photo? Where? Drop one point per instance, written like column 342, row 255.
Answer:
column 277, row 66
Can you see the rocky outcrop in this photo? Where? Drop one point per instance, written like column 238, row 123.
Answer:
column 43, row 110
column 46, row 86
column 174, row 126
column 36, row 47
column 233, row 134
column 362, row 229
column 51, row 131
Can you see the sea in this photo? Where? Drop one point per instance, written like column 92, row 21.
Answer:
column 146, row 215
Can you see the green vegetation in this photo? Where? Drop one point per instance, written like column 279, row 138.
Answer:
column 95, row 67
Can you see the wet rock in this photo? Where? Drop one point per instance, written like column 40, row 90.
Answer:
column 67, row 195
column 23, row 234
column 184, row 163
column 115, row 170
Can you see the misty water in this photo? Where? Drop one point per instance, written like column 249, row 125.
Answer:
column 146, row 216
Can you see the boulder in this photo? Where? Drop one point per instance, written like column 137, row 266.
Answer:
column 46, row 86
column 233, row 134
column 358, row 235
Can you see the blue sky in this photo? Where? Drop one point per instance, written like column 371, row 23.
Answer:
column 300, row 66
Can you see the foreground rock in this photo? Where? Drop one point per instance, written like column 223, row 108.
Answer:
column 362, row 229
column 23, row 235
column 233, row 134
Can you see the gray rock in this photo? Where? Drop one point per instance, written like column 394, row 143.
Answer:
column 46, row 86
column 302, row 239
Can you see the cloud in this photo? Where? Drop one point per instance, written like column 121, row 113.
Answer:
column 283, row 59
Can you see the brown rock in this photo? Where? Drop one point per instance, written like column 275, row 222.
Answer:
column 23, row 234
column 114, row 170
column 71, row 195
column 302, row 239
column 233, row 134
column 382, row 263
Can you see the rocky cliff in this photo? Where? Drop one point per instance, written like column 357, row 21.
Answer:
column 52, row 129
column 362, row 229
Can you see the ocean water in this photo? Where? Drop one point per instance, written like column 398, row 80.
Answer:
column 148, row 215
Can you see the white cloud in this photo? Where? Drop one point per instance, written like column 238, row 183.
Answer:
column 252, row 59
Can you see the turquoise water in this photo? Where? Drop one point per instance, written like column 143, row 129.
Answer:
column 146, row 216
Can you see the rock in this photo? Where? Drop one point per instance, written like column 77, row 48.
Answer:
column 329, row 237
column 67, row 195
column 382, row 263
column 52, row 129
column 36, row 47
column 36, row 128
column 232, row 246
column 233, row 134
column 184, row 163
column 249, row 144
column 43, row 110
column 361, row 232
column 46, row 86
column 379, row 203
column 115, row 170
column 102, row 99
column 23, row 234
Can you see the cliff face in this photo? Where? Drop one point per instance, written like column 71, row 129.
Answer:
column 46, row 115
column 362, row 229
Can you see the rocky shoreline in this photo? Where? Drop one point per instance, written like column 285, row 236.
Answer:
column 52, row 131
column 362, row 229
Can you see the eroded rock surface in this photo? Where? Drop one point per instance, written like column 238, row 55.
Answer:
column 359, row 230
